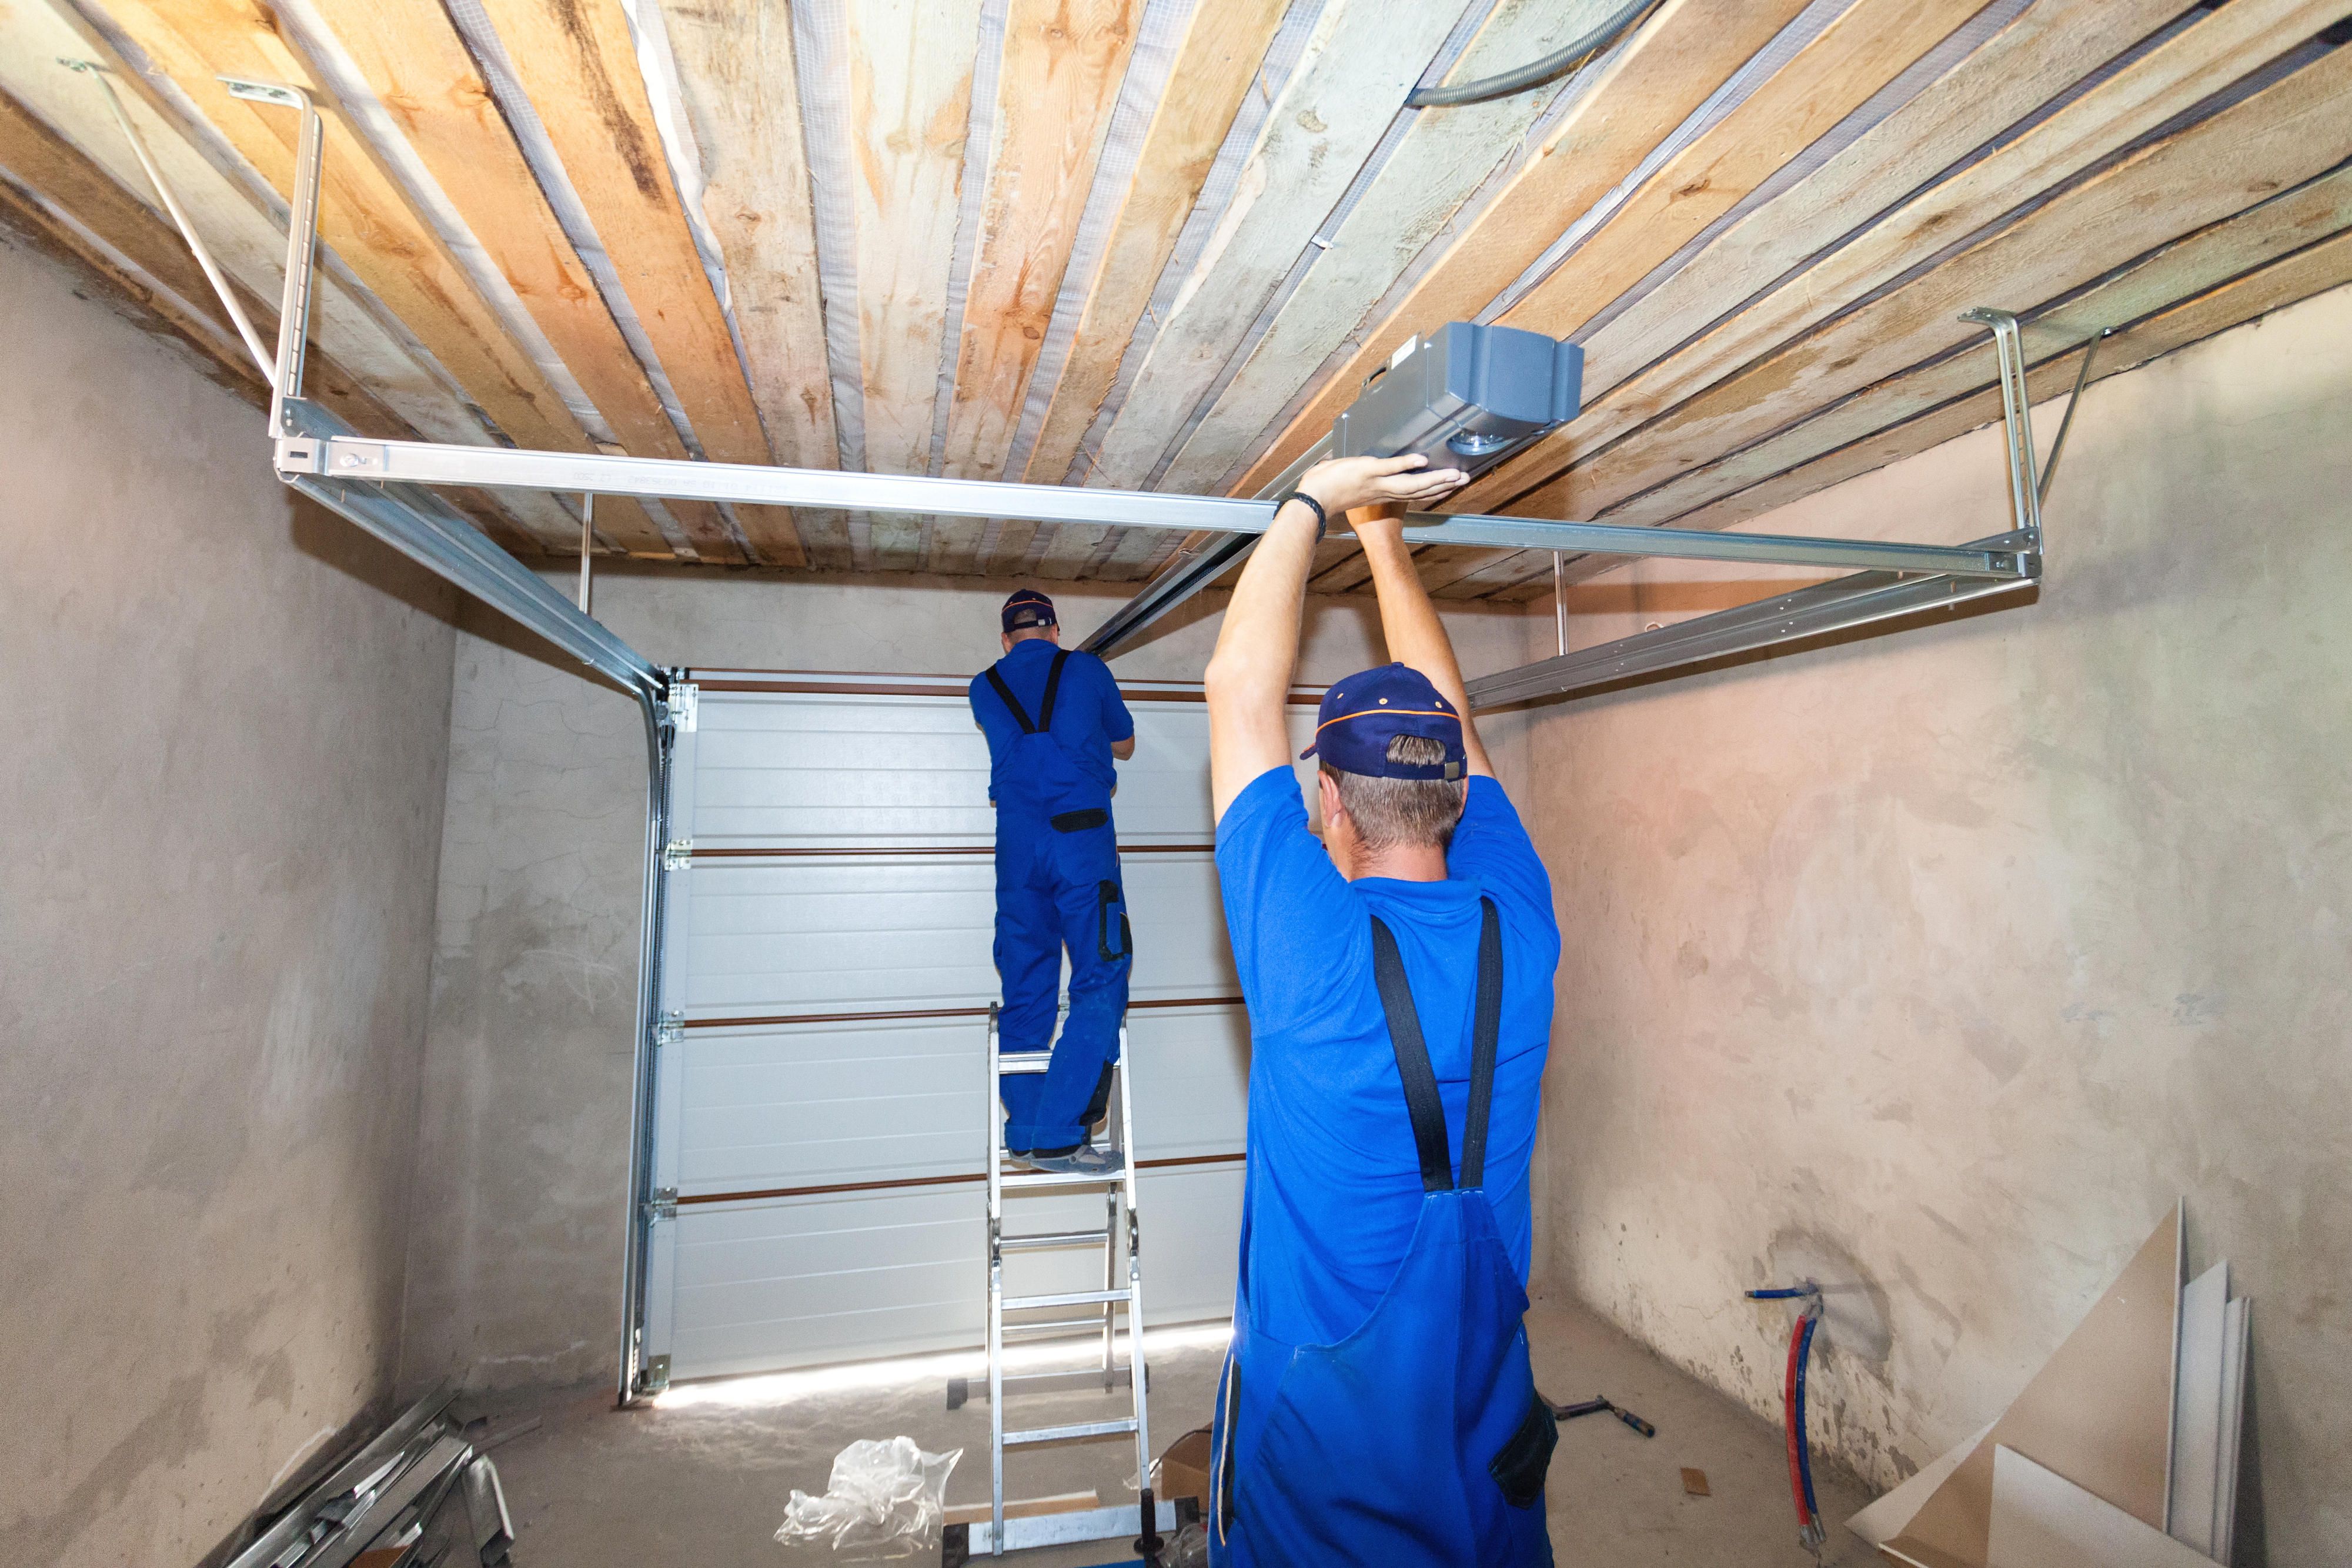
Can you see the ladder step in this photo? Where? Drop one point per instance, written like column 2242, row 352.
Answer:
column 1064, row 1299
column 1052, row 1239
column 1024, row 1062
column 1069, row 1326
column 1063, row 1178
column 1082, row 1429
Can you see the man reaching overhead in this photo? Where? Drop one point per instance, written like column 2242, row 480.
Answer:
column 1054, row 723
column 1377, row 1405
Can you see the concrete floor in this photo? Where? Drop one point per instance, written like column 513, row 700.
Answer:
column 702, row 1478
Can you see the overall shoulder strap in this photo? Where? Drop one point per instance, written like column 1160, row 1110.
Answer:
column 1053, row 688
column 1485, row 1036
column 1020, row 713
column 1413, row 1062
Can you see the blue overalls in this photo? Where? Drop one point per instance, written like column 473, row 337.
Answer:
column 1057, row 885
column 1418, row 1441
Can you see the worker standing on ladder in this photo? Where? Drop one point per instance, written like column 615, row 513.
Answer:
column 1054, row 723
column 1377, row 1403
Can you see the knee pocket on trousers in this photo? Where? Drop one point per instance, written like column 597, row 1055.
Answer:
column 1520, row 1467
column 1114, row 939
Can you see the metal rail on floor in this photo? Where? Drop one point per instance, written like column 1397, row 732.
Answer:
column 383, row 487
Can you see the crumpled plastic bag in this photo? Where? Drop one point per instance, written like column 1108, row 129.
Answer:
column 882, row 1494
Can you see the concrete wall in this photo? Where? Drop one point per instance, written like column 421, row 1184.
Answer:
column 521, row 1175
column 220, row 811
column 1944, row 963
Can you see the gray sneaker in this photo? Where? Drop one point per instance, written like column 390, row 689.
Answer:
column 1084, row 1160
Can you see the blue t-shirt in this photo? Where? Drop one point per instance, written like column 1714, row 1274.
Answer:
column 1088, row 714
column 1333, row 1187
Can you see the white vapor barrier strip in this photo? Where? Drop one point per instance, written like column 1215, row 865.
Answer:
column 972, row 196
column 821, row 55
column 490, row 53
column 1274, row 74
column 1956, row 46
column 340, row 76
column 1466, row 27
column 1530, row 146
column 1157, row 39
column 1735, row 90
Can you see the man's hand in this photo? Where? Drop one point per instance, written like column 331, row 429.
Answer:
column 1343, row 484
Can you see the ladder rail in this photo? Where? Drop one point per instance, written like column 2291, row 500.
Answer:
column 1121, row 1213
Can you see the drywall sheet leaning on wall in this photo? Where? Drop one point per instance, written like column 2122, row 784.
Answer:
column 2101, row 1409
column 2041, row 1519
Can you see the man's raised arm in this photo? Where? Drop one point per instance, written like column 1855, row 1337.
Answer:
column 1410, row 626
column 1248, row 678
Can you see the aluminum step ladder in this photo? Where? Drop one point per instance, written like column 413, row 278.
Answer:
column 1151, row 1523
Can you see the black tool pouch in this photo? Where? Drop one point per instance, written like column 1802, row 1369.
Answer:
column 1519, row 1468
column 1079, row 821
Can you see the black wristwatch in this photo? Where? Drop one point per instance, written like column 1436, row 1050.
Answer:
column 1322, row 522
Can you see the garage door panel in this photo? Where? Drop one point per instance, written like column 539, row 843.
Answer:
column 809, row 1275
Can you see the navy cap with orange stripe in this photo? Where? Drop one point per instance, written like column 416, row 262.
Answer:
column 1363, row 713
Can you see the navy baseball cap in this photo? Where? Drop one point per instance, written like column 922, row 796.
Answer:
column 1363, row 713
column 1028, row 608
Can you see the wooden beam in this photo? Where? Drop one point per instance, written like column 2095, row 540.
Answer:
column 742, row 90
column 1361, row 60
column 2315, row 269
column 577, row 64
column 1443, row 160
column 1224, row 43
column 1625, row 388
column 363, row 217
column 1650, row 85
column 411, row 57
column 2287, row 133
column 1064, row 62
column 911, row 96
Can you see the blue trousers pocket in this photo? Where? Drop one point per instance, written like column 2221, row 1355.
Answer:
column 1079, row 821
column 1519, row 1468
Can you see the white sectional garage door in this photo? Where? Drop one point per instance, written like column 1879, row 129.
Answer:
column 819, row 1111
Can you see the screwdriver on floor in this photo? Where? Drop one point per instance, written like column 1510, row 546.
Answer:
column 1593, row 1406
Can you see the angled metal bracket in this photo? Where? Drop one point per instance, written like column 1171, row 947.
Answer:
column 1843, row 603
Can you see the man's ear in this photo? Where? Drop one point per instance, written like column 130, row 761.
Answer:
column 1327, row 795
column 1007, row 640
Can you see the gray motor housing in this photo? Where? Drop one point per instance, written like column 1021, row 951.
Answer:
column 1465, row 398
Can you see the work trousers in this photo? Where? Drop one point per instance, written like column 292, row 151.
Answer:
column 1057, row 892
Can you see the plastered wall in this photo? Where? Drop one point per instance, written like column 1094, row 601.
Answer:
column 1940, row 964
column 521, row 1173
column 220, row 814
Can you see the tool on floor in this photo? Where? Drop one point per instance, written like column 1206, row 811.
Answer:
column 1594, row 1407
column 1007, row 1179
column 1810, row 1531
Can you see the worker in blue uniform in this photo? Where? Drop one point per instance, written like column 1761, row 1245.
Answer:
column 1055, row 723
column 1377, row 1405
